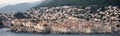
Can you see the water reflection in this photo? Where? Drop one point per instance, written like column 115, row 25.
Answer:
column 3, row 32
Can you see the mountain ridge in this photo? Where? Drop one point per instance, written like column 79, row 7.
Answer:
column 54, row 3
column 18, row 7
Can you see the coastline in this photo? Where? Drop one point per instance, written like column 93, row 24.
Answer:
column 61, row 33
column 65, row 20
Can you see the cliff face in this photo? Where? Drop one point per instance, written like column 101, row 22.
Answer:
column 65, row 19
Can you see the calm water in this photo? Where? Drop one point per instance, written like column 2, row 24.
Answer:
column 4, row 33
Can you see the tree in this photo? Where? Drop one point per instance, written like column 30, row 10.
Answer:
column 1, row 24
column 21, row 15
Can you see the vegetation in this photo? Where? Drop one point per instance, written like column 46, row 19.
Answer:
column 53, row 3
column 1, row 25
column 21, row 15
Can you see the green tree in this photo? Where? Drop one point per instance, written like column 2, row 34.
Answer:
column 1, row 24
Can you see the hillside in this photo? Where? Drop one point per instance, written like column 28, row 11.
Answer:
column 16, row 8
column 20, row 7
column 53, row 3
column 66, row 17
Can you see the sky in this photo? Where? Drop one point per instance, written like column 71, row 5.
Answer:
column 3, row 2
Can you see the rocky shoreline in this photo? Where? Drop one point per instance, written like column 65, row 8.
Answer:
column 65, row 19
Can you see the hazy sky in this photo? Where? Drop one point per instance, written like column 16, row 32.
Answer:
column 3, row 2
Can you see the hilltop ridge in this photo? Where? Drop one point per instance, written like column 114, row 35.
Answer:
column 54, row 3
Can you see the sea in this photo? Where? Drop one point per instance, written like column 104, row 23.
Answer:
column 3, row 32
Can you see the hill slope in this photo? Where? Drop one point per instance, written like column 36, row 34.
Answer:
column 52, row 3
column 18, row 7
